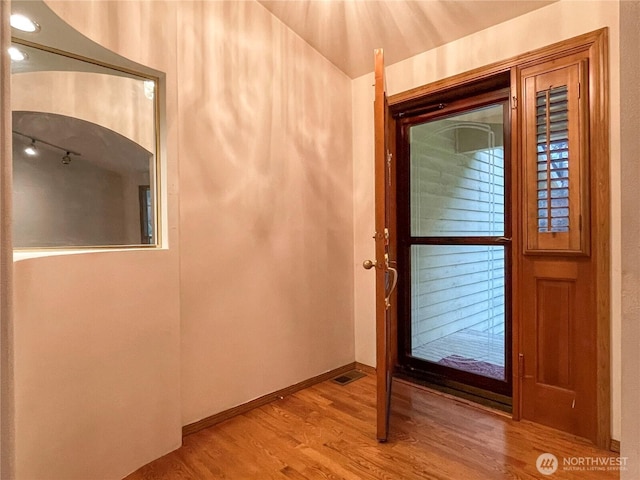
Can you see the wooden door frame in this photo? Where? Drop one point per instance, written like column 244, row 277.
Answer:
column 596, row 45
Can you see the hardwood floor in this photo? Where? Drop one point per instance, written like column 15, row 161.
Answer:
column 328, row 432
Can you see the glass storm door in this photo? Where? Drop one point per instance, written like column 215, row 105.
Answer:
column 456, row 246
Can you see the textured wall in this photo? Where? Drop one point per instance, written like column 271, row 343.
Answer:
column 98, row 338
column 265, row 207
column 630, row 166
column 260, row 125
column 96, row 364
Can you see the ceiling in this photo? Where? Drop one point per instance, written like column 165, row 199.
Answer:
column 347, row 31
column 56, row 34
column 344, row 31
column 96, row 145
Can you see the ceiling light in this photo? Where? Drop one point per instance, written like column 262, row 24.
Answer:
column 24, row 23
column 66, row 159
column 31, row 149
column 17, row 55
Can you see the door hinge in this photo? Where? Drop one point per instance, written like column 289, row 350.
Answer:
column 514, row 102
column 579, row 89
column 389, row 159
column 520, row 365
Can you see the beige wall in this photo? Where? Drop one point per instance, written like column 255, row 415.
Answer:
column 265, row 207
column 98, row 368
column 630, row 175
column 260, row 124
column 561, row 20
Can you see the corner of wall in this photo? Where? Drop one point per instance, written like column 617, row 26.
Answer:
column 630, row 177
column 362, row 95
column 7, row 413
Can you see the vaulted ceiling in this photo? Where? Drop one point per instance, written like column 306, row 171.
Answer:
column 347, row 31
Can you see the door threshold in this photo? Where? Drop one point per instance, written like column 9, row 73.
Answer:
column 471, row 396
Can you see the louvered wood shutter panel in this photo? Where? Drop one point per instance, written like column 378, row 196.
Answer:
column 555, row 159
column 552, row 148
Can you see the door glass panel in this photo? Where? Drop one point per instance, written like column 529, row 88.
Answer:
column 457, row 175
column 458, row 307
column 457, row 202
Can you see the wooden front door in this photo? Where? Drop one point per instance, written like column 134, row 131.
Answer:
column 385, row 241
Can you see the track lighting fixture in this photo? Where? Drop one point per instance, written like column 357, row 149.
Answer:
column 32, row 150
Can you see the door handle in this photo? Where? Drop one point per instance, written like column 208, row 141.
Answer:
column 369, row 264
column 394, row 283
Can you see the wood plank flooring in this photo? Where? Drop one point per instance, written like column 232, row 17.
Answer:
column 328, row 432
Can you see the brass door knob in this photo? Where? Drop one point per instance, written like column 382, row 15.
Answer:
column 368, row 264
